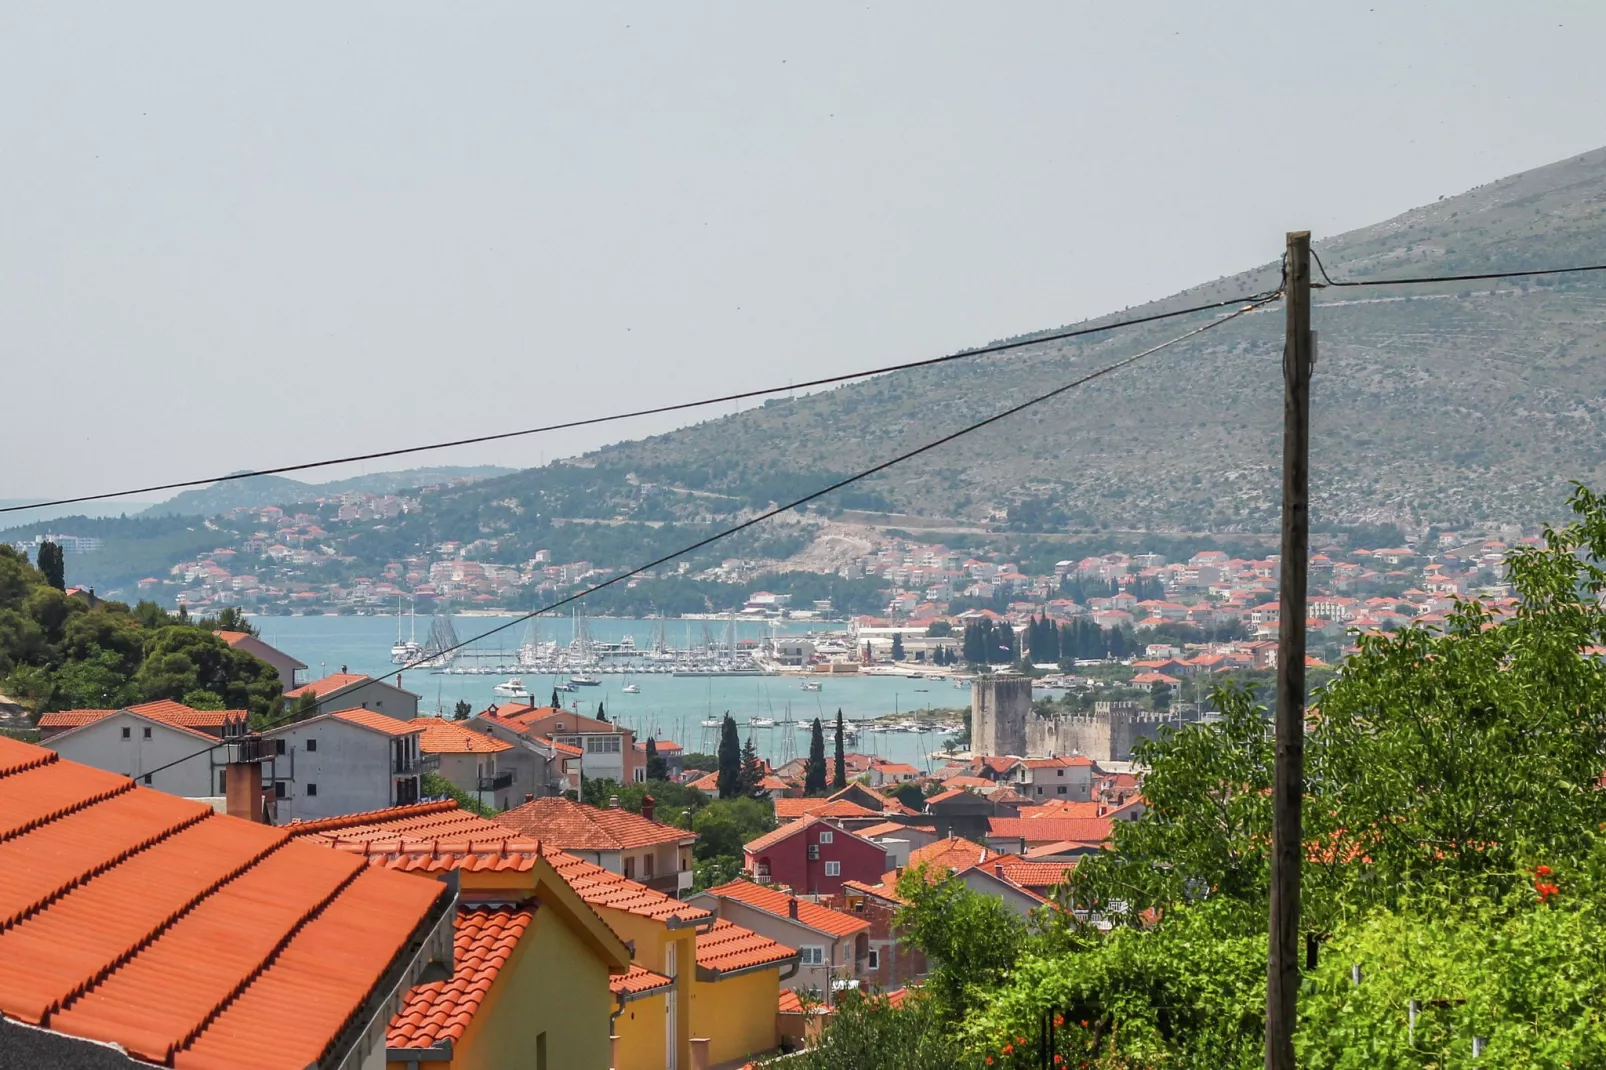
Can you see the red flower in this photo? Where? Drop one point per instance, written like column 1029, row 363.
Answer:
column 1084, row 1025
column 989, row 1060
column 1058, row 1059
column 1007, row 1048
column 1059, row 1020
column 1543, row 871
column 1020, row 1040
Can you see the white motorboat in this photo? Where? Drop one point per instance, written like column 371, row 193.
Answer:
column 581, row 679
column 512, row 687
column 631, row 689
column 811, row 685
column 761, row 722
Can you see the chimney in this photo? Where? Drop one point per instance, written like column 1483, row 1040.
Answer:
column 529, row 796
column 242, row 786
column 791, row 907
column 613, row 802
column 647, row 805
column 998, row 869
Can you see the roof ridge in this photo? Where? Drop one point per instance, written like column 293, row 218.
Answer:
column 70, row 808
column 46, row 757
column 167, row 923
column 267, row 961
column 366, row 817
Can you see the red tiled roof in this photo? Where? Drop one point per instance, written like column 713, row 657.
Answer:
column 448, row 737
column 164, row 710
column 775, row 902
column 1036, row 876
column 952, row 793
column 889, row 892
column 136, row 917
column 320, row 688
column 892, row 828
column 728, row 948
column 955, row 852
column 572, row 826
column 791, row 1003
column 1049, row 829
column 1061, row 808
column 484, row 938
column 438, row 837
column 378, row 722
column 638, row 981
column 792, row 809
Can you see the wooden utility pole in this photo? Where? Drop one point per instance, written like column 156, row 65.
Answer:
column 1282, row 963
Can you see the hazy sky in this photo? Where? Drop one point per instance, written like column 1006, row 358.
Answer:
column 235, row 236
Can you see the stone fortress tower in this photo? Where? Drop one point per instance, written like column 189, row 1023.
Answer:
column 1002, row 723
column 999, row 708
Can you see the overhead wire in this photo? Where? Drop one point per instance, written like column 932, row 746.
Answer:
column 1479, row 277
column 1248, row 305
column 592, row 421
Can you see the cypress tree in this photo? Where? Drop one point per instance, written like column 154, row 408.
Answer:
column 752, row 771
column 814, row 779
column 462, row 711
column 897, row 646
column 730, row 760
column 840, row 780
column 555, row 703
column 52, row 565
column 602, row 715
column 657, row 768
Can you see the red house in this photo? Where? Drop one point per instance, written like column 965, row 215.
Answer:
column 813, row 857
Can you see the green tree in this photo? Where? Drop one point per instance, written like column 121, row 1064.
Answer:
column 910, row 795
column 897, row 646
column 435, row 786
column 730, row 759
column 462, row 711
column 232, row 619
column 180, row 659
column 939, row 629
column 304, row 706
column 972, row 940
column 839, row 777
column 814, row 779
column 556, row 703
column 52, row 565
column 602, row 715
column 752, row 771
column 657, row 768
column 1160, row 696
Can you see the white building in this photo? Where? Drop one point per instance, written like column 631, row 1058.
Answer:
column 345, row 691
column 1049, row 779
column 477, row 763
column 154, row 752
column 345, row 762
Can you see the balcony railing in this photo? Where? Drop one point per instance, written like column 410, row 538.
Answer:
column 238, row 749
column 423, row 763
column 496, row 781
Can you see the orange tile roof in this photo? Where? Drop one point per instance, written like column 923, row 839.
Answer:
column 955, row 852
column 775, row 902
column 791, row 1003
column 952, row 793
column 135, row 917
column 1036, row 876
column 1058, row 847
column 892, row 828
column 164, row 710
column 889, row 892
column 792, row 809
column 1062, row 808
column 378, row 722
column 638, row 981
column 729, row 948
column 320, row 688
column 483, row 939
column 232, row 637
column 1049, row 829
column 448, row 737
column 438, row 837
column 572, row 826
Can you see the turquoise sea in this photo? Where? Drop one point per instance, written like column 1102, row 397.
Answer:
column 668, row 706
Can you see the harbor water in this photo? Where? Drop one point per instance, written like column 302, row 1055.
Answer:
column 666, row 706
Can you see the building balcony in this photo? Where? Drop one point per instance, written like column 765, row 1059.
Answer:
column 423, row 763
column 496, row 781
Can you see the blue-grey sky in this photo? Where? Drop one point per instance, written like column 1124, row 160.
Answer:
column 236, row 236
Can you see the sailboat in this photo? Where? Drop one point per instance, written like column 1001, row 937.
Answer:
column 410, row 650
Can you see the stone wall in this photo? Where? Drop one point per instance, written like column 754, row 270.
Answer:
column 1000, row 707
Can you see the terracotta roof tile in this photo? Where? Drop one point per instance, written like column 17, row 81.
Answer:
column 163, row 710
column 320, row 688
column 448, row 737
column 1050, row 829
column 573, row 826
column 1062, row 808
column 378, row 722
column 72, row 718
column 955, row 852
column 728, row 947
column 1037, row 876
column 601, row 888
column 892, row 828
column 775, row 902
column 483, row 939
column 139, row 918
column 638, row 981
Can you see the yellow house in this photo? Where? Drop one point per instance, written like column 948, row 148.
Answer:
column 739, row 976
column 559, row 963
column 529, row 980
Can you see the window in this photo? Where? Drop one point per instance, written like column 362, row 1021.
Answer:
column 833, row 869
column 812, row 955
column 1039, row 789
column 146, row 732
column 128, row 733
column 827, row 837
column 646, row 867
column 278, row 746
column 602, row 744
column 1060, row 790
column 222, row 782
column 630, row 869
column 873, row 961
column 280, row 789
column 312, row 746
column 1059, row 772
column 148, row 778
column 312, row 789
column 641, row 775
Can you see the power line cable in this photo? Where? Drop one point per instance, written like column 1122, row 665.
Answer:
column 1483, row 276
column 1253, row 303
column 963, row 354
